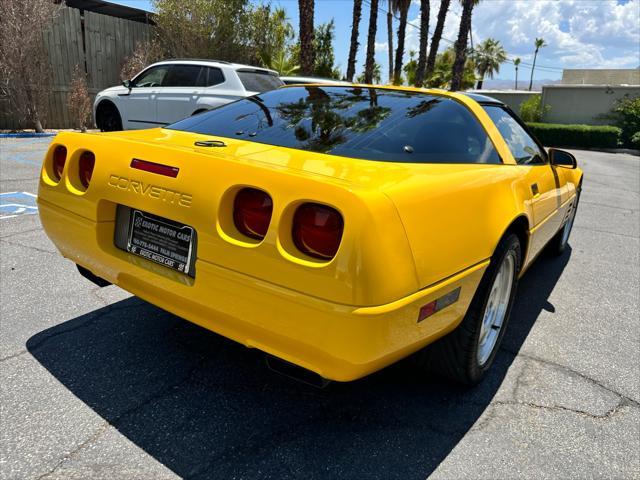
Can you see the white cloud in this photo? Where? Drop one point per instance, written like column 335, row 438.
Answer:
column 579, row 33
column 381, row 47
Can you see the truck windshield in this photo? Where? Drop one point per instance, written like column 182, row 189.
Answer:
column 364, row 123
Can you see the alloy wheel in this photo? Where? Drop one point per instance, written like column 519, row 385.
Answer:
column 496, row 308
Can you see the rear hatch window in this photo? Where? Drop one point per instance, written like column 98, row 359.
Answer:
column 366, row 123
column 259, row 80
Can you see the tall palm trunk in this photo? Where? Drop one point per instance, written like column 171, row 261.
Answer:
column 306, row 36
column 535, row 55
column 390, row 39
column 516, row 77
column 437, row 35
column 461, row 45
column 424, row 37
column 371, row 42
column 353, row 50
column 402, row 28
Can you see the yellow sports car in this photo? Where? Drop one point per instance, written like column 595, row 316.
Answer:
column 336, row 228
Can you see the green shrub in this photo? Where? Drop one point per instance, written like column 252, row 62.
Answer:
column 635, row 140
column 626, row 115
column 577, row 136
column 531, row 110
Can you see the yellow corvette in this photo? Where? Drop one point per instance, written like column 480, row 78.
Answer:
column 336, row 228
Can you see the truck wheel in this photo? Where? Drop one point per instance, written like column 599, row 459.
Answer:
column 466, row 354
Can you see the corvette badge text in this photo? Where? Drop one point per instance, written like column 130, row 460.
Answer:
column 151, row 191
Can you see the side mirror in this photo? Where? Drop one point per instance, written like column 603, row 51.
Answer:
column 560, row 158
column 127, row 84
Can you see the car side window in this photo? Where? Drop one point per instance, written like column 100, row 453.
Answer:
column 524, row 149
column 152, row 77
column 209, row 76
column 214, row 76
column 259, row 81
column 182, row 76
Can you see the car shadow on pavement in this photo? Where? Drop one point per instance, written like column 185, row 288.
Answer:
column 207, row 407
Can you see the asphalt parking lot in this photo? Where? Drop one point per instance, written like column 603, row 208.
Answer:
column 98, row 384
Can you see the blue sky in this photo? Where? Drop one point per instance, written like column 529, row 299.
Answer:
column 579, row 33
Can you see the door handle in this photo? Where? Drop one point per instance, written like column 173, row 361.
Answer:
column 535, row 190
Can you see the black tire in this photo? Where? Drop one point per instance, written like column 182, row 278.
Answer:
column 455, row 356
column 558, row 244
column 108, row 118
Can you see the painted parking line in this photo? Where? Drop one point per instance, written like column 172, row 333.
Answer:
column 14, row 204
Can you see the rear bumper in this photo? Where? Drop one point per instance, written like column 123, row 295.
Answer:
column 339, row 342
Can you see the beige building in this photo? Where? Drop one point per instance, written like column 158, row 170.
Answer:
column 593, row 76
column 583, row 104
column 588, row 95
column 585, row 96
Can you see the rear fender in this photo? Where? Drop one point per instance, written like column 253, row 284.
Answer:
column 456, row 215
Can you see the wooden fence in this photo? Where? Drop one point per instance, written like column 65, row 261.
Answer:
column 98, row 43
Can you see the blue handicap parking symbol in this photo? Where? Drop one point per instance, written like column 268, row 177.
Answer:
column 13, row 204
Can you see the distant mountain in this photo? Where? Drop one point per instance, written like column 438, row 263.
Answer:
column 498, row 84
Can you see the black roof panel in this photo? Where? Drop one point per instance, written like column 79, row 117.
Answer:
column 482, row 98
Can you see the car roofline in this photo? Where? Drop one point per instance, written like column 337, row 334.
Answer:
column 208, row 60
column 236, row 66
column 432, row 91
column 322, row 80
column 483, row 99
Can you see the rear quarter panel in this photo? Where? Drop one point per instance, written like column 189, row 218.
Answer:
column 455, row 215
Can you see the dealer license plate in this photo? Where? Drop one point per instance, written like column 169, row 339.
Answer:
column 161, row 240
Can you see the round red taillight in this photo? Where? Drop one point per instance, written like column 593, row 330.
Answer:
column 252, row 210
column 317, row 230
column 85, row 168
column 59, row 159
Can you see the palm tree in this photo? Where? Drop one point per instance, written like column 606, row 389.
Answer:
column 280, row 62
column 371, row 42
column 424, row 36
column 403, row 6
column 323, row 36
column 390, row 11
column 442, row 71
column 516, row 62
column 539, row 43
column 353, row 50
column 437, row 35
column 488, row 57
column 376, row 77
column 306, row 36
column 411, row 68
column 461, row 43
